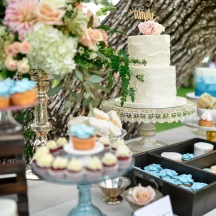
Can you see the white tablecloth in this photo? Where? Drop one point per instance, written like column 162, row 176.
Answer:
column 48, row 199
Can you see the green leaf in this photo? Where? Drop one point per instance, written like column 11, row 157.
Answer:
column 79, row 75
column 68, row 104
column 104, row 89
column 132, row 94
column 91, row 105
column 54, row 90
column 100, row 55
column 95, row 79
column 90, row 22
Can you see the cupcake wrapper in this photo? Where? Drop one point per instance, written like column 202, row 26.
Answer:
column 123, row 164
column 58, row 174
column 76, row 176
column 110, row 170
column 93, row 175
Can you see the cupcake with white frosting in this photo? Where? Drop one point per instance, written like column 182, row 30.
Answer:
column 53, row 147
column 58, row 167
column 110, row 163
column 61, row 141
column 123, row 154
column 93, row 168
column 106, row 142
column 43, row 163
column 42, row 150
column 74, row 170
column 206, row 119
column 116, row 144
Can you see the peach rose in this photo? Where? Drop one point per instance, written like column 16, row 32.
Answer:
column 48, row 14
column 12, row 49
column 142, row 195
column 25, row 47
column 23, row 66
column 150, row 28
column 90, row 38
column 10, row 64
column 104, row 34
column 95, row 35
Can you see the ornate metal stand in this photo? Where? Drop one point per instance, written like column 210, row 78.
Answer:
column 147, row 117
column 41, row 126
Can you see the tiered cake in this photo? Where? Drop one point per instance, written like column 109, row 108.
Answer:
column 159, row 87
column 205, row 81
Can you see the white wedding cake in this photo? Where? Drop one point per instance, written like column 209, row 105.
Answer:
column 159, row 87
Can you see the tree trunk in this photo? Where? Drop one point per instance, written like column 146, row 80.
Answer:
column 191, row 25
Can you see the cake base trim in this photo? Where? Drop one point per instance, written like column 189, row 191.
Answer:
column 180, row 101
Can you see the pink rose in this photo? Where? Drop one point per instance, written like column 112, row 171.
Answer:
column 48, row 14
column 90, row 38
column 23, row 66
column 95, row 35
column 25, row 47
column 150, row 28
column 12, row 49
column 10, row 64
column 104, row 34
column 142, row 195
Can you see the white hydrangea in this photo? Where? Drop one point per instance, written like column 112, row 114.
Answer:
column 52, row 50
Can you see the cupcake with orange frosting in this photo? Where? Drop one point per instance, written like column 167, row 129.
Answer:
column 75, row 170
column 123, row 154
column 23, row 93
column 82, row 137
column 110, row 163
column 206, row 119
column 93, row 168
column 58, row 167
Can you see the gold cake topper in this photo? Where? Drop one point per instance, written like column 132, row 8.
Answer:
column 144, row 15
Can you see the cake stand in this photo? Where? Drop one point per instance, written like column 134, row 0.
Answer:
column 7, row 122
column 209, row 132
column 147, row 117
column 84, row 206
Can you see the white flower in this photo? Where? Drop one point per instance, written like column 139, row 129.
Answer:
column 57, row 3
column 81, row 50
column 93, row 55
column 69, row 7
column 52, row 51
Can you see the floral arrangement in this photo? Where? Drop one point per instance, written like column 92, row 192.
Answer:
column 62, row 38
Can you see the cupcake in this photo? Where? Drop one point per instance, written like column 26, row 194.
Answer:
column 123, row 154
column 94, row 168
column 61, row 141
column 58, row 167
column 206, row 119
column 4, row 95
column 42, row 150
column 53, row 147
column 110, row 164
column 74, row 170
column 23, row 93
column 106, row 143
column 43, row 163
column 82, row 137
column 116, row 144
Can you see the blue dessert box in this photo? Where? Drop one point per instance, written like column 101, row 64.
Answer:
column 185, row 202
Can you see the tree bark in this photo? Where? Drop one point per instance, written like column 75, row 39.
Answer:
column 192, row 27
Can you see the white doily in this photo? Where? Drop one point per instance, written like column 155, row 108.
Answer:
column 148, row 115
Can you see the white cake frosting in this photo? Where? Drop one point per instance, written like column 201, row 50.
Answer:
column 155, row 49
column 45, row 160
column 61, row 141
column 159, row 87
column 59, row 163
column 51, row 144
column 109, row 159
column 123, row 151
column 75, row 165
column 94, row 163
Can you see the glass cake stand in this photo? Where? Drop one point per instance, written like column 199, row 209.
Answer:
column 7, row 122
column 84, row 206
column 147, row 117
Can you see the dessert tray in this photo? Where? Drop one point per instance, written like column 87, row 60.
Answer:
column 7, row 122
column 84, row 206
column 196, row 202
column 194, row 123
column 192, row 95
column 70, row 150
